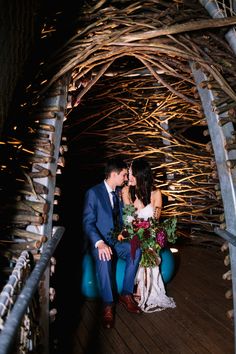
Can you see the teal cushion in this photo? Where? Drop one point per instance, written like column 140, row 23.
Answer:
column 167, row 266
column 89, row 285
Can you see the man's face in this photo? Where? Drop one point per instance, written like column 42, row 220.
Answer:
column 120, row 178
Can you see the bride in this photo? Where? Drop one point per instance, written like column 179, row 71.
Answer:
column 150, row 291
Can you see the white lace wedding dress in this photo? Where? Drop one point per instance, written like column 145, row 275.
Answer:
column 151, row 294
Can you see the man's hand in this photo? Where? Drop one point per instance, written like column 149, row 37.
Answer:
column 104, row 252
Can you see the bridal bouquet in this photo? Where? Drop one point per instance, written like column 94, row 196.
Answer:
column 150, row 235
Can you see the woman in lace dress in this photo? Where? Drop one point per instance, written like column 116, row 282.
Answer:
column 150, row 294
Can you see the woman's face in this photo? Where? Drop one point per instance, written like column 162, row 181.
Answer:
column 132, row 179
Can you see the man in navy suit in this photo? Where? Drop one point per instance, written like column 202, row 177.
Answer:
column 98, row 222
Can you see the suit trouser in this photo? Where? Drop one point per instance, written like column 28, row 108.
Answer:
column 106, row 274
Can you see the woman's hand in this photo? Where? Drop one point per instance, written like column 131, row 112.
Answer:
column 125, row 195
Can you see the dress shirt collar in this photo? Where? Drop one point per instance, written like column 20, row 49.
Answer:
column 109, row 189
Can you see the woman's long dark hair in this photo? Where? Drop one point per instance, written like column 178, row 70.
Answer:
column 141, row 169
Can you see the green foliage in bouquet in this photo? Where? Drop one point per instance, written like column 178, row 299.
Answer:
column 150, row 235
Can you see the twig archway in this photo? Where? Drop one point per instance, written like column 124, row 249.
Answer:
column 130, row 64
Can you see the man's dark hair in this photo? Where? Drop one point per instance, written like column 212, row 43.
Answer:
column 114, row 165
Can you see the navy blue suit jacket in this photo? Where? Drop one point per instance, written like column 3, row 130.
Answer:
column 97, row 215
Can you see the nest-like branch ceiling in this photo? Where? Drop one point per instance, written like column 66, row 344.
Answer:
column 132, row 93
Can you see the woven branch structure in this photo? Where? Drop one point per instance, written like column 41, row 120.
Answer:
column 131, row 94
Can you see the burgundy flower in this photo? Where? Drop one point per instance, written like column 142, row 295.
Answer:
column 145, row 224
column 125, row 233
column 161, row 238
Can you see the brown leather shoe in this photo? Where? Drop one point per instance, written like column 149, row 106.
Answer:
column 129, row 303
column 108, row 316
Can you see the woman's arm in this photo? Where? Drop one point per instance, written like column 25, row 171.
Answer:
column 156, row 201
column 126, row 195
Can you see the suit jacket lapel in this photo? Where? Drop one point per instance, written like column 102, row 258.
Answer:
column 105, row 197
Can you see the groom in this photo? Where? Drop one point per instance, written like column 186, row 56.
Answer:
column 102, row 213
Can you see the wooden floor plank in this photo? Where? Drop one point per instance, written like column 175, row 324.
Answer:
column 111, row 339
column 207, row 292
column 140, row 329
column 202, row 327
column 164, row 331
column 101, row 340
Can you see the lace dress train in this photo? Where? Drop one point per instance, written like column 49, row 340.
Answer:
column 151, row 290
